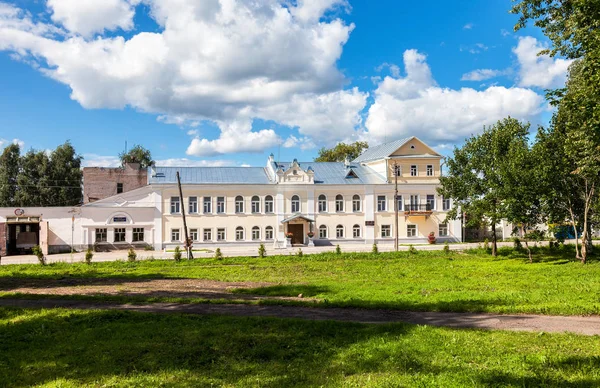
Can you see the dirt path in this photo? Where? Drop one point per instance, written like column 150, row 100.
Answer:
column 535, row 323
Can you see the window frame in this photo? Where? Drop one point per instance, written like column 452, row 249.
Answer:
column 175, row 205
column 120, row 231
column 356, row 227
column 339, row 203
column 431, row 201
column 255, row 233
column 429, row 170
column 178, row 231
column 269, row 233
column 413, row 227
column 323, row 228
column 205, row 232
column 443, row 226
column 136, row 235
column 322, row 201
column 119, row 188
column 380, row 202
column 269, row 204
column 222, row 231
column 388, row 229
column 295, row 203
column 243, row 233
column 446, row 205
column 414, row 170
column 339, row 228
column 221, row 205
column 206, row 205
column 239, row 204
column 104, row 235
column 194, row 234
column 193, row 205
column 356, row 199
column 255, row 204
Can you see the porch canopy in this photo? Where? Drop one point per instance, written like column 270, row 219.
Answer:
column 297, row 217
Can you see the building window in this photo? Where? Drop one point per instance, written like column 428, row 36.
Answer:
column 339, row 231
column 413, row 170
column 356, row 203
column 239, row 204
column 220, row 205
column 175, row 205
column 339, row 203
column 429, row 170
column 193, row 205
column 445, row 203
column 399, row 199
column 381, row 203
column 443, row 230
column 175, row 235
column 119, row 235
column 269, row 233
column 138, row 234
column 322, row 231
column 101, row 235
column 295, row 204
column 221, row 234
column 268, row 204
column 207, row 205
column 386, row 231
column 430, row 202
column 194, row 234
column 411, row 230
column 397, row 170
column 356, row 231
column 207, row 234
column 256, row 233
column 239, row 233
column 414, row 202
column 255, row 204
column 119, row 188
column 322, row 203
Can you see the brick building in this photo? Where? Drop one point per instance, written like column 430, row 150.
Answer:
column 104, row 182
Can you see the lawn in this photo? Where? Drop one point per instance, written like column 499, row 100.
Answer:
column 64, row 348
column 426, row 281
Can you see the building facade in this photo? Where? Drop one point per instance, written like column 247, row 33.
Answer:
column 105, row 182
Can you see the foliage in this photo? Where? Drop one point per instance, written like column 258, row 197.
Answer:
column 262, row 252
column 131, row 255
column 9, row 172
column 300, row 253
column 412, row 250
column 137, row 154
column 338, row 250
column 486, row 244
column 375, row 250
column 517, row 244
column 447, row 248
column 37, row 251
column 341, row 151
column 218, row 254
column 89, row 254
column 177, row 254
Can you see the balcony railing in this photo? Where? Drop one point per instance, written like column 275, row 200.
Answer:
column 417, row 208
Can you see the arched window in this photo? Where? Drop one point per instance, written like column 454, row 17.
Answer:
column 268, row 204
column 339, row 231
column 295, row 204
column 322, row 231
column 322, row 203
column 255, row 233
column 239, row 233
column 356, row 231
column 269, row 233
column 255, row 204
column 356, row 203
column 239, row 204
column 339, row 203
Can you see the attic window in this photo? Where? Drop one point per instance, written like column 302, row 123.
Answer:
column 351, row 174
column 295, row 172
column 412, row 147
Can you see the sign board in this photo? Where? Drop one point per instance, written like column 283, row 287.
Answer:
column 19, row 212
column 119, row 219
column 369, row 223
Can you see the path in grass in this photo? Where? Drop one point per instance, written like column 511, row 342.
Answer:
column 535, row 323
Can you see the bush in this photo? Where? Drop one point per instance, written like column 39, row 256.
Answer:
column 262, row 252
column 300, row 254
column 218, row 254
column 177, row 254
column 40, row 255
column 89, row 254
column 517, row 244
column 486, row 244
column 412, row 250
column 446, row 248
column 148, row 248
column 375, row 250
column 338, row 250
column 131, row 255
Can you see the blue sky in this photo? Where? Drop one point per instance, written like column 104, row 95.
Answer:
column 227, row 83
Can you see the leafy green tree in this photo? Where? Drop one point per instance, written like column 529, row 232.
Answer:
column 66, row 175
column 9, row 171
column 342, row 151
column 35, row 187
column 137, row 154
column 482, row 174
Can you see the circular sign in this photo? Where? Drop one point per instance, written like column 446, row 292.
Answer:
column 19, row 212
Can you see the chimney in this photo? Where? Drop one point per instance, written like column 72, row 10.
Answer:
column 346, row 161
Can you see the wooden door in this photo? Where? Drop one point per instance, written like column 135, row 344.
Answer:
column 298, row 231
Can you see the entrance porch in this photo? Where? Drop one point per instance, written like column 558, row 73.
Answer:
column 297, row 228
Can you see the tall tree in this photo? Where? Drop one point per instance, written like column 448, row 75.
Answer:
column 9, row 171
column 66, row 175
column 482, row 173
column 137, row 154
column 342, row 151
column 35, row 188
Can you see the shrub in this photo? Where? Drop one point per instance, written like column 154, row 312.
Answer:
column 218, row 254
column 89, row 254
column 375, row 250
column 300, row 254
column 131, row 255
column 486, row 244
column 39, row 254
column 517, row 244
column 262, row 252
column 177, row 254
column 446, row 248
column 338, row 250
column 148, row 248
column 412, row 250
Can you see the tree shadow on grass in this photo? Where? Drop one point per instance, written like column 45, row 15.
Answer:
column 288, row 290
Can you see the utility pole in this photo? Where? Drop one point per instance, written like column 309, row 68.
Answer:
column 396, row 208
column 188, row 247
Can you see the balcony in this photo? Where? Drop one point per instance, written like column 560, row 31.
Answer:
column 411, row 209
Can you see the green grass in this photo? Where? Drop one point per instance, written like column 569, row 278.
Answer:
column 427, row 281
column 65, row 348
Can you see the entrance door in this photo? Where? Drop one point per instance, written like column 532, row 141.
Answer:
column 298, row 231
column 414, row 202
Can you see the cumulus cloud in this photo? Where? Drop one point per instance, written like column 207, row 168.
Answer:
column 304, row 143
column 180, row 162
column 4, row 143
column 468, row 26
column 416, row 105
column 539, row 70
column 227, row 61
column 482, row 74
column 95, row 160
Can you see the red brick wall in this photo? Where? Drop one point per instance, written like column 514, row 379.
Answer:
column 3, row 239
column 101, row 182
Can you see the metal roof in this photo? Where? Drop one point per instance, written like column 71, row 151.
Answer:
column 381, row 151
column 209, row 175
column 335, row 173
column 296, row 216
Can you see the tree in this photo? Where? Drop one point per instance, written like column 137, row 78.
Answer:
column 9, row 171
column 137, row 154
column 482, row 174
column 66, row 174
column 342, row 151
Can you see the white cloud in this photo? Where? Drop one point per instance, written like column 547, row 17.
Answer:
column 304, row 143
column 474, row 49
column 539, row 70
column 415, row 105
column 468, row 26
column 94, row 160
column 4, row 143
column 482, row 74
column 184, row 162
column 227, row 61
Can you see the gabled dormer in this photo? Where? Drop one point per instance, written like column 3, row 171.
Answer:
column 295, row 174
